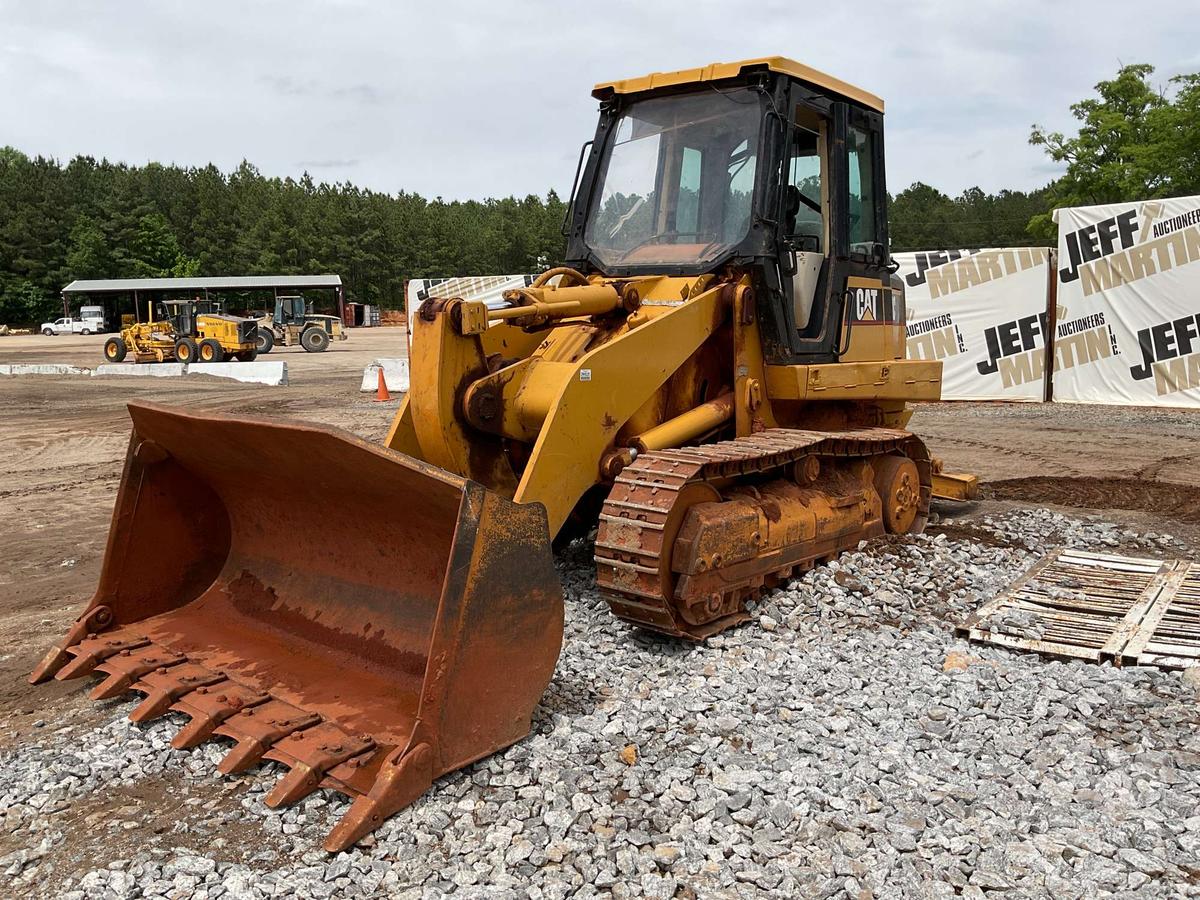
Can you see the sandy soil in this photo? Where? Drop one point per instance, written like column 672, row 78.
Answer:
column 1136, row 466
column 63, row 440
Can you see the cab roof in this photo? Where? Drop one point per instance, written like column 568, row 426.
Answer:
column 719, row 71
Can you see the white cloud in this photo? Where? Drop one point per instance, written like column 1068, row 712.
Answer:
column 473, row 99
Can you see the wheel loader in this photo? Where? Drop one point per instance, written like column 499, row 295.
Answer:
column 293, row 324
column 184, row 331
column 716, row 383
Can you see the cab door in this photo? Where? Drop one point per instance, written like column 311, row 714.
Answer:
column 806, row 215
column 839, row 291
column 872, row 325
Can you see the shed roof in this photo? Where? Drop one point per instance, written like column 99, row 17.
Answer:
column 231, row 283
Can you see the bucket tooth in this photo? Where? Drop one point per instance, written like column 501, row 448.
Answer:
column 127, row 666
column 311, row 753
column 209, row 706
column 93, row 620
column 244, row 755
column 256, row 729
column 404, row 777
column 90, row 653
column 162, row 688
column 56, row 657
column 300, row 781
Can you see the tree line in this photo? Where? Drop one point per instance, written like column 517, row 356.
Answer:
column 98, row 219
column 92, row 218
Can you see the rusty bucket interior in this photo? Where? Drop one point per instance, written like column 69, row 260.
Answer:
column 368, row 620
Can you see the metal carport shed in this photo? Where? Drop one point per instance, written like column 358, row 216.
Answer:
column 137, row 286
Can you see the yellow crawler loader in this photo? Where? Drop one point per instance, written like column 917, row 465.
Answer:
column 716, row 381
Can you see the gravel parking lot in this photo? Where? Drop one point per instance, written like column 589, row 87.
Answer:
column 843, row 743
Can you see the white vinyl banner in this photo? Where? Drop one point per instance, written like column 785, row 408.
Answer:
column 489, row 288
column 983, row 314
column 1128, row 316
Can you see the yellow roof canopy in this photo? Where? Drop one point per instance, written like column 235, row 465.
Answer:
column 718, row 71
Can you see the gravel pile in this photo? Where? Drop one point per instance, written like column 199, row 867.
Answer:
column 843, row 743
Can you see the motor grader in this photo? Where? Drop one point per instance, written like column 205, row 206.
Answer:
column 185, row 331
column 716, row 382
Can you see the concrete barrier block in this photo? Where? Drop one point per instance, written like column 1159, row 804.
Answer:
column 272, row 373
column 143, row 370
column 395, row 375
column 43, row 369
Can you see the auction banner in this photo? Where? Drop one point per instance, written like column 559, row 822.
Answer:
column 489, row 288
column 983, row 314
column 1128, row 317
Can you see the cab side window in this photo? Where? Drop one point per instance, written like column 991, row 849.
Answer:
column 803, row 209
column 805, row 213
column 687, row 211
column 863, row 230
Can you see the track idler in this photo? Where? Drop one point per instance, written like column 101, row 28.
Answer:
column 368, row 620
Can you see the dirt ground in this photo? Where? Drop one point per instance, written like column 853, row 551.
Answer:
column 1131, row 465
column 63, row 440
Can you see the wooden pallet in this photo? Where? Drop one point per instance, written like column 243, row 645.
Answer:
column 1101, row 607
column 1170, row 633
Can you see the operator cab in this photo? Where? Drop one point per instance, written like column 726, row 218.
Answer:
column 290, row 310
column 180, row 313
column 764, row 165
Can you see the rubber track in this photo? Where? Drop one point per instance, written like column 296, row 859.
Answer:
column 630, row 539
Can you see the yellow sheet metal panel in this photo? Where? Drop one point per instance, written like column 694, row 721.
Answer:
column 875, row 323
column 787, row 382
column 912, row 379
column 402, row 437
column 718, row 71
column 955, row 486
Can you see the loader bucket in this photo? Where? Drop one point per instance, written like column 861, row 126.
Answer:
column 368, row 620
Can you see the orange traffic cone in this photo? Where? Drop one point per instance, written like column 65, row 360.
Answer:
column 381, row 393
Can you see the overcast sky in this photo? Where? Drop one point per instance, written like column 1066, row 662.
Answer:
column 486, row 98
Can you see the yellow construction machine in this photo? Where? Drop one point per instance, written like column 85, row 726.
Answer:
column 293, row 323
column 716, row 381
column 185, row 331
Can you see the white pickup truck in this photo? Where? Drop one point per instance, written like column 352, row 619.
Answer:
column 73, row 326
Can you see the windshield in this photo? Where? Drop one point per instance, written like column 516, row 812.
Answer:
column 676, row 180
